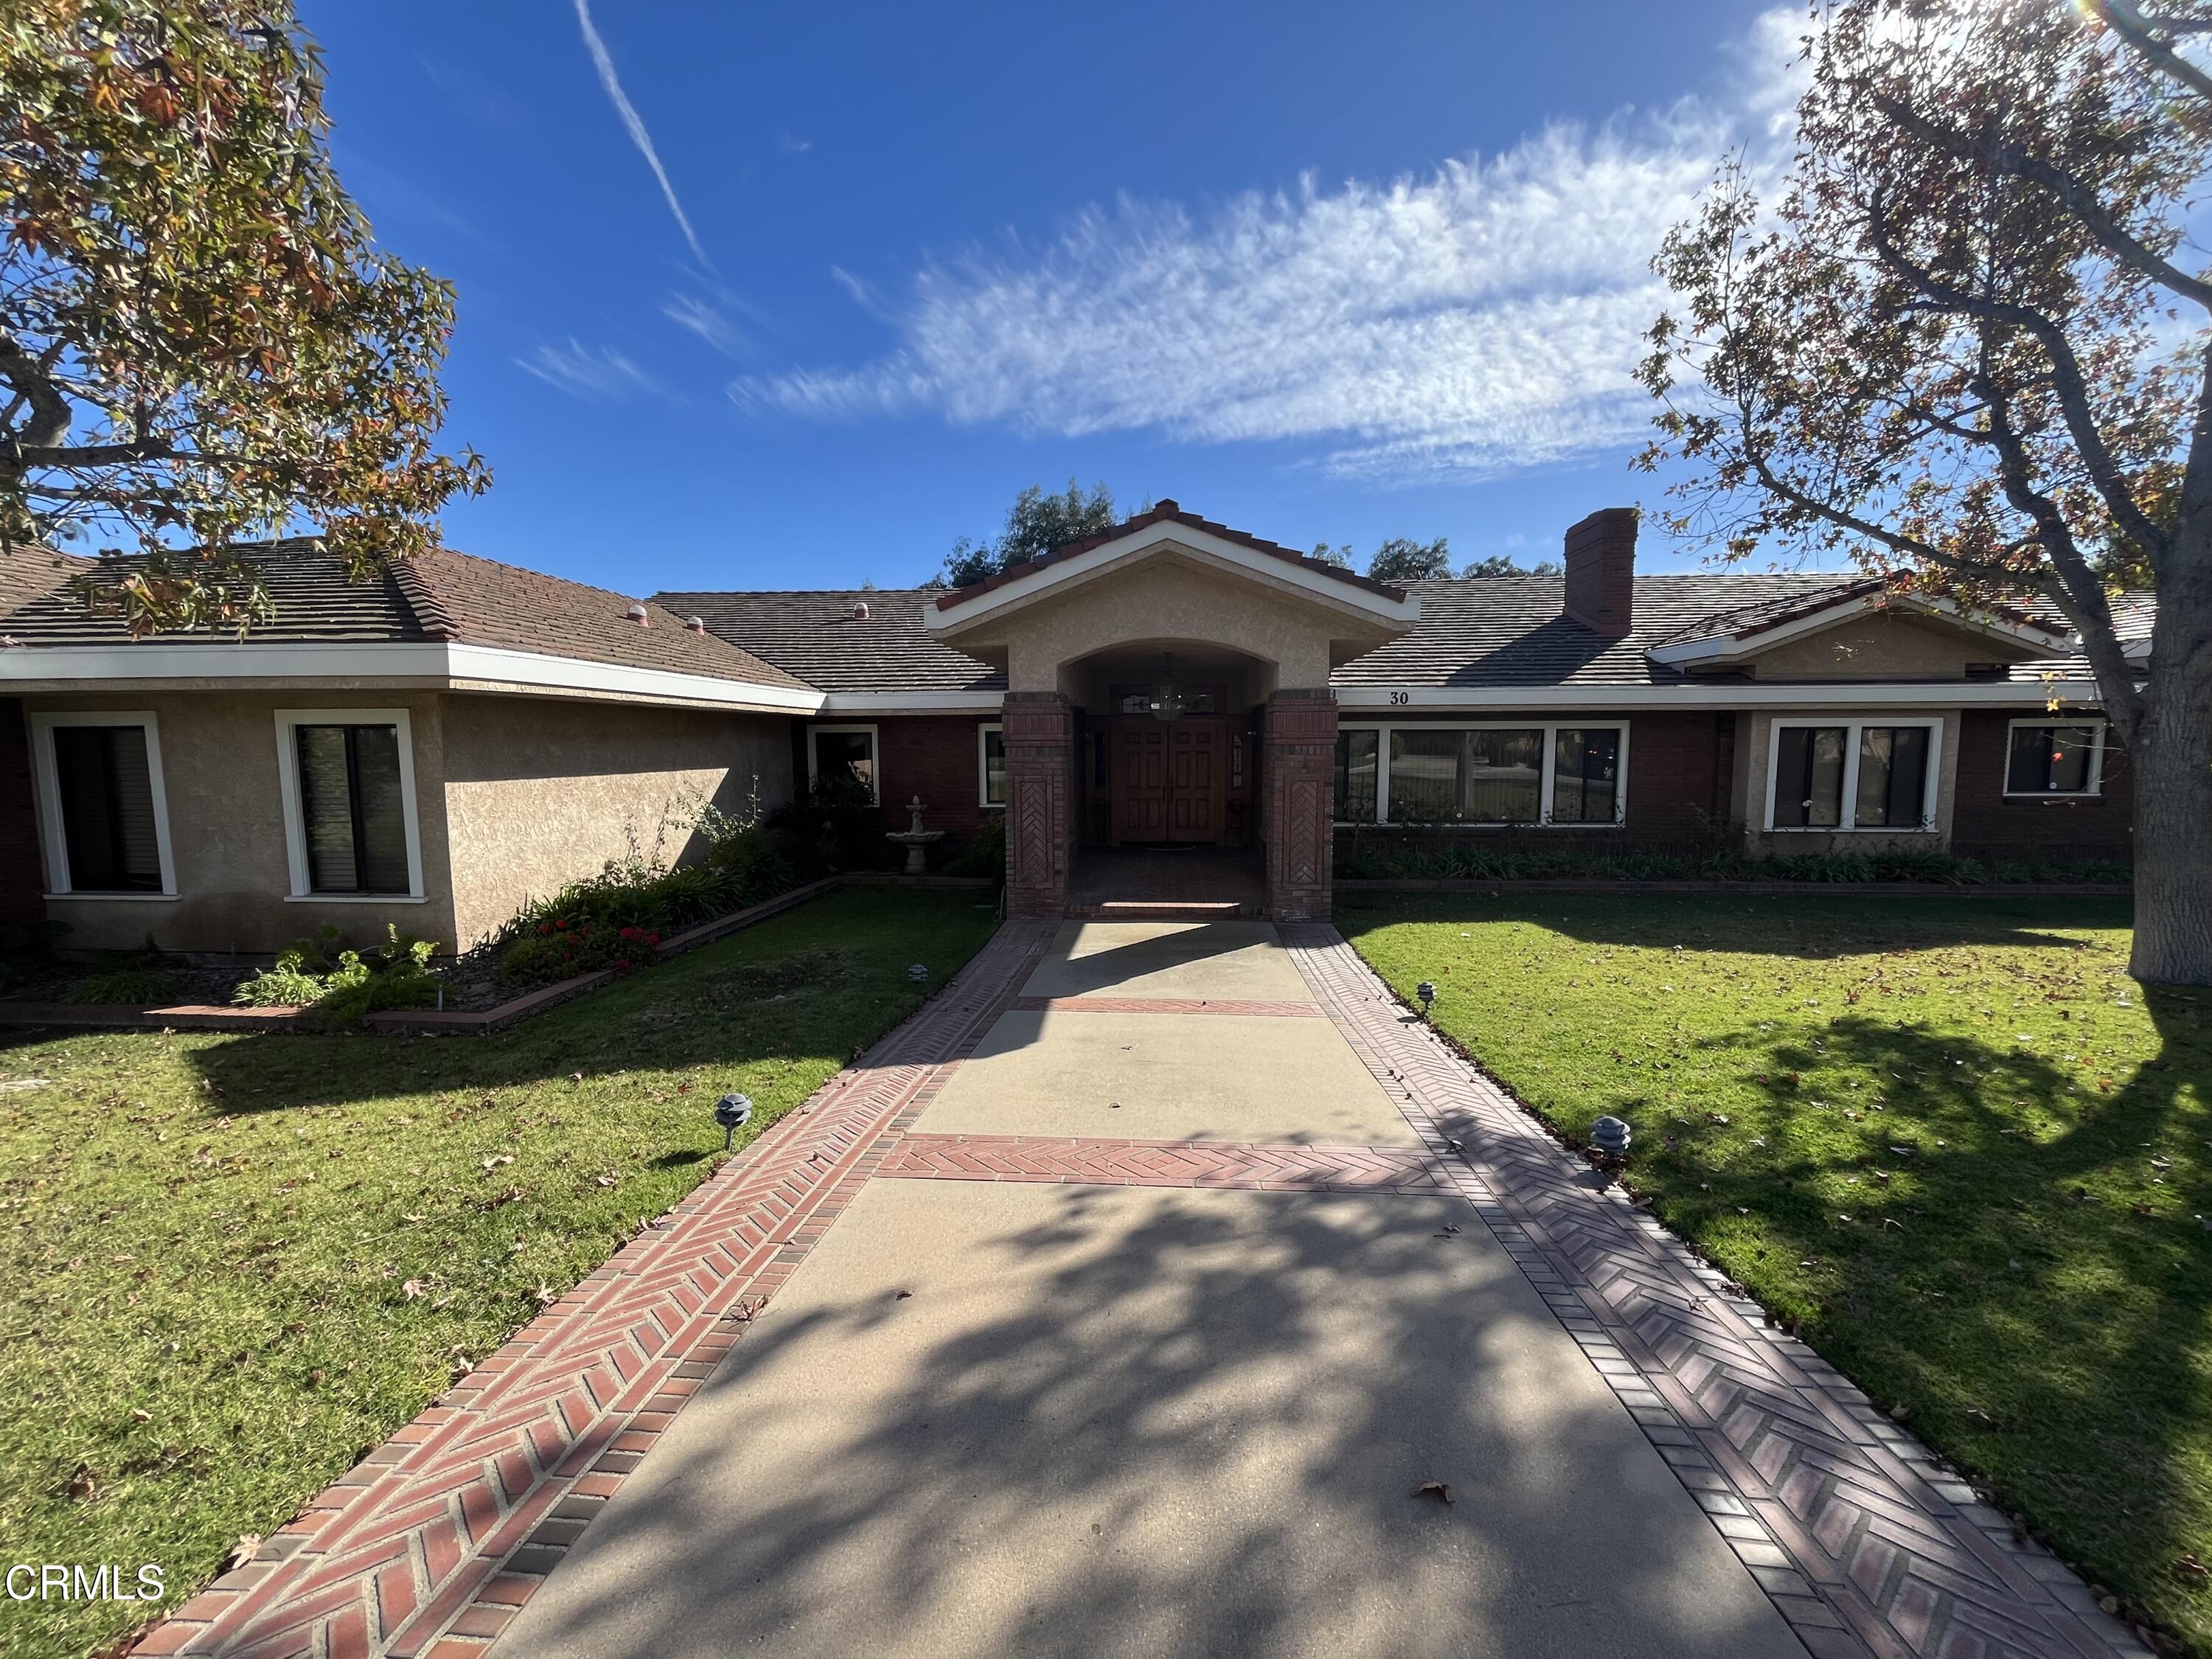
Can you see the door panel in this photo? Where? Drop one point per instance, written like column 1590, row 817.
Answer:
column 1169, row 781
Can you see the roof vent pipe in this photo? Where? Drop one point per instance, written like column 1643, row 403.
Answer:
column 860, row 610
column 639, row 615
column 696, row 624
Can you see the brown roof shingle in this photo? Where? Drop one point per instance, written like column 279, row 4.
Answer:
column 816, row 636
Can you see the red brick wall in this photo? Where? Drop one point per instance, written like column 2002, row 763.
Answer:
column 932, row 756
column 21, row 910
column 1986, row 826
column 1678, row 787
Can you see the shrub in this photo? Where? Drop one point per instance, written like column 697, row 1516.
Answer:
column 342, row 985
column 123, row 985
column 986, row 854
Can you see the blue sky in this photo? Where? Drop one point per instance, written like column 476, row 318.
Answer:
column 1327, row 273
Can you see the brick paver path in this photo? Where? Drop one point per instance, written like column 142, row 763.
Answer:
column 1863, row 1542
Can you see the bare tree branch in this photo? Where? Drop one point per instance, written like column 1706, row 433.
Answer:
column 2075, row 195
column 2130, row 25
column 50, row 410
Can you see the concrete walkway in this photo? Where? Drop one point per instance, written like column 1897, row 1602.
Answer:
column 999, row 1418
column 1124, row 1301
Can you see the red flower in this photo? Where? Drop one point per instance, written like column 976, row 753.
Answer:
column 561, row 921
column 544, row 926
column 622, row 965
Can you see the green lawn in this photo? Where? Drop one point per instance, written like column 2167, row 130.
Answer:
column 230, row 1264
column 1950, row 1136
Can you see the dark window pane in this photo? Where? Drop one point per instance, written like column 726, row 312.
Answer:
column 382, row 809
column 107, row 809
column 994, row 768
column 1808, row 777
column 1893, row 777
column 326, row 810
column 1465, row 777
column 846, row 754
column 1586, row 776
column 352, row 809
column 1355, row 776
column 2054, row 759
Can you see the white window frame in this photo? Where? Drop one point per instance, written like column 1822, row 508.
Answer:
column 1550, row 729
column 1847, row 808
column 2095, row 789
column 53, row 833
column 288, row 720
column 875, row 750
column 983, row 764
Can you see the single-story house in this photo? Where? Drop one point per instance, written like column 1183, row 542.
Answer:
column 430, row 748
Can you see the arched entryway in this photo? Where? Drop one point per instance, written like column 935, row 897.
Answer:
column 1168, row 690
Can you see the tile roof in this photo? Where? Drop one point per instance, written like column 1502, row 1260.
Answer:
column 1509, row 631
column 440, row 596
column 1167, row 512
column 816, row 636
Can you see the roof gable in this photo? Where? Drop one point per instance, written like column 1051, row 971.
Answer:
column 1740, row 635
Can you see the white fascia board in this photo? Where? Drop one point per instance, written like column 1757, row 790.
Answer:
column 1328, row 590
column 427, row 660
column 1599, row 699
column 913, row 702
column 1729, row 647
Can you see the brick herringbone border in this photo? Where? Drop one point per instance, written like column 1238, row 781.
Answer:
column 1086, row 1161
column 431, row 1543
column 1864, row 1541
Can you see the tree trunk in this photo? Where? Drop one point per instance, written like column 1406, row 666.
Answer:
column 2171, row 756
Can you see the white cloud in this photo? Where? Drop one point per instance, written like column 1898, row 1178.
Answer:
column 792, row 146
column 710, row 322
column 635, row 125
column 1483, row 317
column 584, row 371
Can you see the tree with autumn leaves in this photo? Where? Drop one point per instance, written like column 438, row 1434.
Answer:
column 201, row 345
column 1961, row 334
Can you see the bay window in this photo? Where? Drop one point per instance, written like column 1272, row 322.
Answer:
column 1852, row 774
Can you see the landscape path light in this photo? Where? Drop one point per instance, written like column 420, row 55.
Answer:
column 1609, row 1134
column 1426, row 991
column 733, row 1112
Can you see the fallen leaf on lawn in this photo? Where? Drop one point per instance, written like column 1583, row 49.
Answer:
column 575, row 1076
column 1981, row 1416
column 491, row 1164
column 2189, row 1567
column 546, row 1295
column 243, row 1550
column 1436, row 1488
column 604, row 1181
column 82, row 1483
column 1716, row 1117
column 139, row 1416
column 412, row 1289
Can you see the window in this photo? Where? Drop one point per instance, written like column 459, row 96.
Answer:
column 1586, row 775
column 104, row 821
column 1356, row 775
column 841, row 756
column 348, row 783
column 1477, row 774
column 992, row 760
column 2048, row 758
column 1852, row 776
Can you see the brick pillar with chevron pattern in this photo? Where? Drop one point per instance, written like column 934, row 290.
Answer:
column 1298, row 773
column 1040, row 737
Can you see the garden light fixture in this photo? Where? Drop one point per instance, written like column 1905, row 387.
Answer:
column 733, row 1112
column 1609, row 1134
column 1426, row 991
column 918, row 972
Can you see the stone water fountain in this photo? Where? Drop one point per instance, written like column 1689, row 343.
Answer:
column 915, row 838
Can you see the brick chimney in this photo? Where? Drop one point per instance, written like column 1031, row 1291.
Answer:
column 1601, row 571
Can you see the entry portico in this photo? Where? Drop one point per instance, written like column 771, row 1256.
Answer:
column 1168, row 684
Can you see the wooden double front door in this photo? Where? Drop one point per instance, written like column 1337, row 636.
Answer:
column 1169, row 780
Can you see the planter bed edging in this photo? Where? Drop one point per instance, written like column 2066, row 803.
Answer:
column 1832, row 889
column 426, row 1022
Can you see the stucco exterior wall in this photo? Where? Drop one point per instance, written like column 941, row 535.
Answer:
column 538, row 794
column 225, row 805
column 1879, row 647
column 1168, row 600
column 1754, row 757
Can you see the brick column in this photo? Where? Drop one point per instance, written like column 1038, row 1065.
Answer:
column 21, row 908
column 1040, row 805
column 1298, row 774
